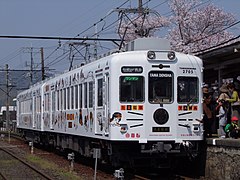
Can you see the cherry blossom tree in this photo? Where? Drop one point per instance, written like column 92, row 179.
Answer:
column 140, row 24
column 195, row 27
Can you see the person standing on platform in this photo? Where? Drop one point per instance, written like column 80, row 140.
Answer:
column 224, row 93
column 208, row 115
column 233, row 97
column 222, row 115
column 233, row 92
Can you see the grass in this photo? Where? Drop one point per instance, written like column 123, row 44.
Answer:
column 8, row 162
column 45, row 164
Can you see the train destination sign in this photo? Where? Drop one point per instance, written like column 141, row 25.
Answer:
column 132, row 69
column 159, row 74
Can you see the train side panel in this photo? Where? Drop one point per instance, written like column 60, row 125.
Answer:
column 29, row 113
column 77, row 102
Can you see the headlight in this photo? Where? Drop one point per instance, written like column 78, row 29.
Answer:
column 151, row 55
column 171, row 55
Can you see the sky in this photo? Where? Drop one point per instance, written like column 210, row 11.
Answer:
column 66, row 18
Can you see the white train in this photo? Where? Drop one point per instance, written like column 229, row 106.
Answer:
column 137, row 106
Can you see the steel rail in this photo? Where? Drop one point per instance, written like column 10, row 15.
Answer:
column 26, row 163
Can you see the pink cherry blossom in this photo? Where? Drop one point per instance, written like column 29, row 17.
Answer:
column 193, row 25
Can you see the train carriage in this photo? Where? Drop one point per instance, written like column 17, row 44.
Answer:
column 133, row 105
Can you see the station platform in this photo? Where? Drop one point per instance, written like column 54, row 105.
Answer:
column 230, row 142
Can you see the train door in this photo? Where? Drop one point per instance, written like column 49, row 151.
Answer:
column 100, row 105
column 106, row 104
column 34, row 112
column 52, row 109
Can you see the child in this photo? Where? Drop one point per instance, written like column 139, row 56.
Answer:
column 222, row 115
column 233, row 128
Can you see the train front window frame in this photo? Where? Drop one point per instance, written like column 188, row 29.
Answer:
column 160, row 87
column 131, row 89
column 187, row 90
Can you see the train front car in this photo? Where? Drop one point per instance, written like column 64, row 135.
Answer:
column 155, row 104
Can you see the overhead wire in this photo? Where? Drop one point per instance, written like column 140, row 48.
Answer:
column 218, row 45
column 108, row 14
column 34, row 72
column 56, row 59
column 103, row 29
column 11, row 56
column 102, row 19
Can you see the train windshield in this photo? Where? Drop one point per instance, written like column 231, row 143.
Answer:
column 160, row 88
column 131, row 89
column 187, row 91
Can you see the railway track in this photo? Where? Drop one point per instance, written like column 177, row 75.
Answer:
column 14, row 167
column 54, row 164
column 144, row 174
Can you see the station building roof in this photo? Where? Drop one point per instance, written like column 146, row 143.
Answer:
column 221, row 63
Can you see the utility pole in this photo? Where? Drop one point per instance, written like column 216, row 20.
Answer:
column 140, row 7
column 31, row 67
column 42, row 62
column 7, row 101
column 32, row 51
column 138, row 25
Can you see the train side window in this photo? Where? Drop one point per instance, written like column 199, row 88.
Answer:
column 100, row 92
column 46, row 97
column 90, row 95
column 34, row 104
column 85, row 95
column 53, row 101
column 72, row 97
column 160, row 88
column 58, row 103
column 187, row 90
column 76, row 96
column 24, row 107
column 131, row 89
column 68, row 98
column 21, row 107
column 40, row 103
column 80, row 95
column 64, row 99
column 61, row 99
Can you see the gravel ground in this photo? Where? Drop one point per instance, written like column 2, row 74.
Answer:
column 53, row 165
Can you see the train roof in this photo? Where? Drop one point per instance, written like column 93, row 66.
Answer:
column 148, row 44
